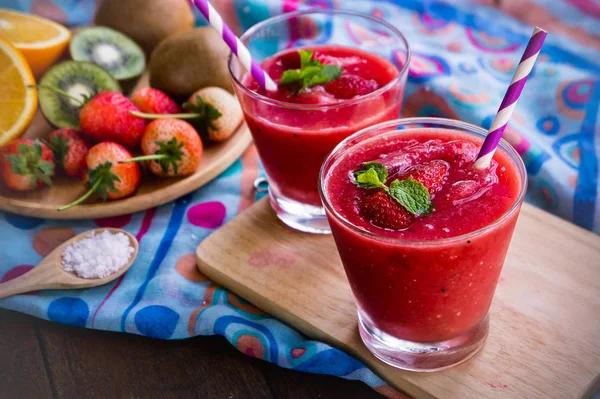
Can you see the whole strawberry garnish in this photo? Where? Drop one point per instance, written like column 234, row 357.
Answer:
column 384, row 211
column 26, row 164
column 106, row 117
column 171, row 147
column 348, row 86
column 106, row 176
column 154, row 101
column 431, row 174
column 70, row 150
column 396, row 206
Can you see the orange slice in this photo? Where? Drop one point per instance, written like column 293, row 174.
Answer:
column 40, row 40
column 17, row 102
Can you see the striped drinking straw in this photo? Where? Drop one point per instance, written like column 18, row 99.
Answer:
column 235, row 44
column 488, row 148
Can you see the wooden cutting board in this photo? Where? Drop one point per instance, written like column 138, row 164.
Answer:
column 545, row 319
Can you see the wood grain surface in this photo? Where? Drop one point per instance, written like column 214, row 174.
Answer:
column 543, row 341
column 153, row 191
column 42, row 360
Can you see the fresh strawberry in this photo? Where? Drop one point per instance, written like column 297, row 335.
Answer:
column 384, row 211
column 70, row 150
column 26, row 164
column 106, row 176
column 212, row 111
column 154, row 101
column 106, row 117
column 348, row 86
column 218, row 111
column 431, row 174
column 172, row 148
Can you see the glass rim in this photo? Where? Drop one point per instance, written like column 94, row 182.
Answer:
column 447, row 124
column 283, row 104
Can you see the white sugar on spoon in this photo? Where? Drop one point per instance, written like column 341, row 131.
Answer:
column 97, row 255
column 66, row 266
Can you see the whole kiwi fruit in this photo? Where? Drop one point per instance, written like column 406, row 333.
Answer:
column 189, row 61
column 147, row 22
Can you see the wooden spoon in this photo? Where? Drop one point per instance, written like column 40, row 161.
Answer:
column 49, row 273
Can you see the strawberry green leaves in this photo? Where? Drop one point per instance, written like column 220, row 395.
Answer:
column 29, row 162
column 311, row 72
column 168, row 155
column 203, row 111
column 409, row 193
column 59, row 145
column 101, row 181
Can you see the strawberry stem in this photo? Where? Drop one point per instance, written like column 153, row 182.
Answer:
column 83, row 197
column 59, row 91
column 101, row 180
column 162, row 116
column 169, row 153
column 154, row 157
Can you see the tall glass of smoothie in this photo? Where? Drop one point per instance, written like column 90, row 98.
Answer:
column 297, row 126
column 423, row 280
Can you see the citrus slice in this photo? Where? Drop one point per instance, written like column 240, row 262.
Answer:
column 17, row 102
column 40, row 40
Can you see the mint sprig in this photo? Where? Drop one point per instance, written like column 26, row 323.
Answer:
column 311, row 72
column 409, row 193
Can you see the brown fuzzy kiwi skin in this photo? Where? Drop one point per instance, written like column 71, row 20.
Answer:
column 147, row 22
column 227, row 105
column 185, row 62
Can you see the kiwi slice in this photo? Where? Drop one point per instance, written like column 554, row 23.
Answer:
column 110, row 49
column 74, row 78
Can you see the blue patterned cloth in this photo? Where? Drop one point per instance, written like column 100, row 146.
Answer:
column 463, row 58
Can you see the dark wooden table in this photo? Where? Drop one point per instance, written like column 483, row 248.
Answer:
column 39, row 359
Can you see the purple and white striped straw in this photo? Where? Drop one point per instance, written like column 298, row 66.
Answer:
column 488, row 148
column 235, row 44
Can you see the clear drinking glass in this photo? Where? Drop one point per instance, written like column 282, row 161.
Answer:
column 293, row 139
column 422, row 305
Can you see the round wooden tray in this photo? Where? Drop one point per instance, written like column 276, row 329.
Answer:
column 153, row 191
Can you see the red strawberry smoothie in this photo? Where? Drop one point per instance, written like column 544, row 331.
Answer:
column 431, row 278
column 294, row 132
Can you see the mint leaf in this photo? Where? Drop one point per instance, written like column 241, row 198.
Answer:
column 369, row 179
column 311, row 72
column 382, row 172
column 371, row 175
column 306, row 58
column 325, row 75
column 290, row 76
column 412, row 195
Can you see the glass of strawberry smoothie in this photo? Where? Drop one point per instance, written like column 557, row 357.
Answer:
column 423, row 284
column 297, row 126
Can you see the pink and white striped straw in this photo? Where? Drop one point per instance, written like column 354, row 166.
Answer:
column 488, row 148
column 235, row 44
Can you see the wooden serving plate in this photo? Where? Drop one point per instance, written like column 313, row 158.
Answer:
column 545, row 322
column 153, row 191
